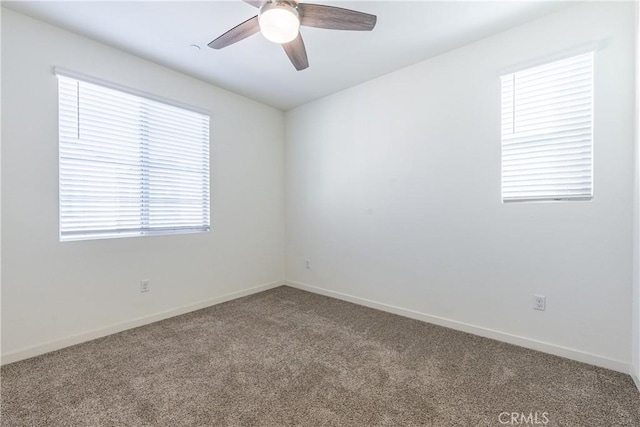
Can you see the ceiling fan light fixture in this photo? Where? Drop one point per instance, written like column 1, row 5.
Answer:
column 279, row 22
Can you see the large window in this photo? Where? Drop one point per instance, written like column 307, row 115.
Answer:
column 547, row 131
column 130, row 165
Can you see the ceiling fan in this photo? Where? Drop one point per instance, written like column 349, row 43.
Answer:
column 280, row 21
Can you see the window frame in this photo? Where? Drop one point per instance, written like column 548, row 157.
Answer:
column 591, row 49
column 107, row 233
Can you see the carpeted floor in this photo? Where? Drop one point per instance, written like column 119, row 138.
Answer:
column 287, row 357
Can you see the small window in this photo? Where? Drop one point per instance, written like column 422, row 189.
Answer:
column 129, row 165
column 547, row 131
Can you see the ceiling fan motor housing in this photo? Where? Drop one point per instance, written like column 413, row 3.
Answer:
column 279, row 21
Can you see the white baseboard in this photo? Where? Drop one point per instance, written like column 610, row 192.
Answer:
column 47, row 347
column 636, row 377
column 568, row 353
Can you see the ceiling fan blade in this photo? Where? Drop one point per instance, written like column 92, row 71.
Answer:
column 254, row 3
column 237, row 33
column 297, row 53
column 335, row 18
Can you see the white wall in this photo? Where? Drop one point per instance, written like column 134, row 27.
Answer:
column 393, row 194
column 635, row 334
column 0, row 192
column 53, row 290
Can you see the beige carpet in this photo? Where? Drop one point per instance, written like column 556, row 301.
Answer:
column 288, row 357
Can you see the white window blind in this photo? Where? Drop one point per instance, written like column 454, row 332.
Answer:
column 547, row 131
column 129, row 165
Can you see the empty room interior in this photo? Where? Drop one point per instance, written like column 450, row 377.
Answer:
column 320, row 213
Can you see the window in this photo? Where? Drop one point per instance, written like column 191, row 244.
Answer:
column 130, row 165
column 547, row 131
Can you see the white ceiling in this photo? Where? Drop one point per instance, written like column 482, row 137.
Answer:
column 406, row 33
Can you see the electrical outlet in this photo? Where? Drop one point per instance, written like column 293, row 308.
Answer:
column 539, row 302
column 144, row 286
column 307, row 265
